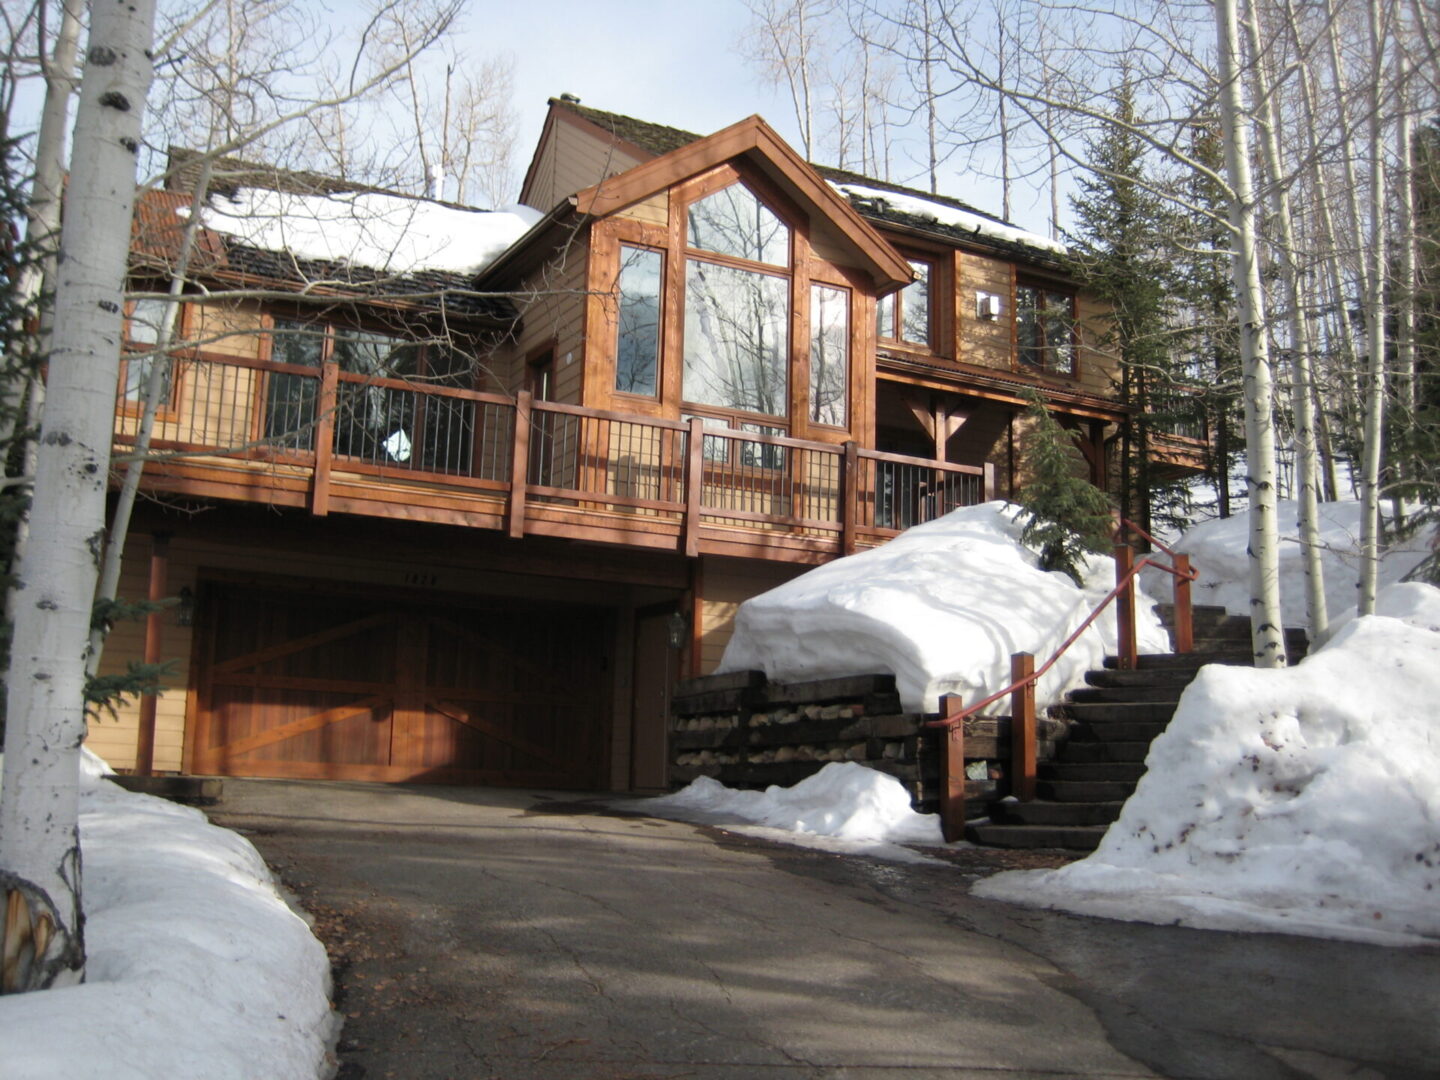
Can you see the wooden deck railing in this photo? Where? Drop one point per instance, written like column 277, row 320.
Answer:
column 1025, row 675
column 537, row 464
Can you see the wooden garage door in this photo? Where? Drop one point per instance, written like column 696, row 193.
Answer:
column 502, row 692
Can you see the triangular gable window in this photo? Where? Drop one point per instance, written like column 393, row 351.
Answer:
column 734, row 222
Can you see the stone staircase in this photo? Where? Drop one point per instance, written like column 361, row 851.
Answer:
column 1112, row 722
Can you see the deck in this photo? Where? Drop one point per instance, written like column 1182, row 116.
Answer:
column 332, row 441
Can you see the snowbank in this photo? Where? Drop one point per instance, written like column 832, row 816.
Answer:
column 1217, row 549
column 196, row 966
column 942, row 607
column 952, row 216
column 1302, row 800
column 393, row 233
column 860, row 810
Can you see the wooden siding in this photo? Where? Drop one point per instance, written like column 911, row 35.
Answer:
column 551, row 301
column 727, row 584
column 652, row 211
column 986, row 343
column 1099, row 371
column 571, row 160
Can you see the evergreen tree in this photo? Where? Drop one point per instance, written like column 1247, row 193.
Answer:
column 1120, row 252
column 1067, row 516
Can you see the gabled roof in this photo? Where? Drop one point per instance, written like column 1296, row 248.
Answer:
column 753, row 139
column 658, row 139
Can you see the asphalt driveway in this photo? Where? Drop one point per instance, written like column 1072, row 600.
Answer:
column 515, row 935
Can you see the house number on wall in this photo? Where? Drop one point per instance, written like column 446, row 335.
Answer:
column 422, row 579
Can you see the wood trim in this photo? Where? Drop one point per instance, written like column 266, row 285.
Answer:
column 752, row 134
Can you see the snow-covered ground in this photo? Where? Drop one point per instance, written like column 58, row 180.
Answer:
column 942, row 607
column 1303, row 800
column 1218, row 550
column 844, row 808
column 196, row 967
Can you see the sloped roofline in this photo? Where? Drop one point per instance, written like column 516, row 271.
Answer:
column 755, row 138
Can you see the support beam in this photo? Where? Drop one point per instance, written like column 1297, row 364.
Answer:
column 154, row 645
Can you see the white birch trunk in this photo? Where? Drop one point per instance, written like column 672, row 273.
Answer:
column 1302, row 402
column 1266, row 624
column 39, row 803
column 1375, row 333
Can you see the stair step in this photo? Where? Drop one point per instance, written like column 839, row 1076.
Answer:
column 1085, row 791
column 1191, row 661
column 1145, row 692
column 1176, row 678
column 1116, row 731
column 1126, row 711
column 1043, row 812
column 1091, row 770
column 1071, row 837
column 1080, row 751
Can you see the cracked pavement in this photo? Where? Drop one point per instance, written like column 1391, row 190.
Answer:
column 510, row 934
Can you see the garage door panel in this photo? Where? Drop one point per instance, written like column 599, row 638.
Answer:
column 498, row 692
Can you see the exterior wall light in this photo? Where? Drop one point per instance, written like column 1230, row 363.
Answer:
column 676, row 627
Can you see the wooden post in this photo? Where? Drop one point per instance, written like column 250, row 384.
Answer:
column 154, row 645
column 520, row 463
column 324, row 437
column 1184, row 615
column 952, row 770
column 1125, row 648
column 850, row 497
column 989, row 482
column 1022, row 727
column 694, row 485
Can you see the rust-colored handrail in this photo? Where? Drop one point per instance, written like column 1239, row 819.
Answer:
column 1025, row 676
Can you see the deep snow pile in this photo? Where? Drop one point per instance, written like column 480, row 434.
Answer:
column 1218, row 550
column 392, row 233
column 1302, row 800
column 196, row 967
column 942, row 607
column 843, row 807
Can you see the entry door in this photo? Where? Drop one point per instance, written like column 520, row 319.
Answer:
column 500, row 691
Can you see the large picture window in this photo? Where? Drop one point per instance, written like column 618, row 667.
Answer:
column 637, row 340
column 829, row 354
column 737, row 325
column 1045, row 329
column 734, row 222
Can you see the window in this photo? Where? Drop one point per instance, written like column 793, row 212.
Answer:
column 737, row 346
column 1045, row 329
column 637, row 341
column 142, row 333
column 734, row 222
column 905, row 316
column 829, row 354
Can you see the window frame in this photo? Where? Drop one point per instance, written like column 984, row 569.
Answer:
column 895, row 303
column 1046, row 349
column 661, row 314
column 132, row 347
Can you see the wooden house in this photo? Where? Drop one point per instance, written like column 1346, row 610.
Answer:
column 470, row 527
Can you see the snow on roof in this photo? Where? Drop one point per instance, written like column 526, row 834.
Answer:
column 1301, row 800
column 397, row 234
column 953, row 216
column 942, row 607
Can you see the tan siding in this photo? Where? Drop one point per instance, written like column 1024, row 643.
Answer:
column 552, row 306
column 572, row 160
column 727, row 583
column 987, row 343
column 651, row 211
column 1099, row 372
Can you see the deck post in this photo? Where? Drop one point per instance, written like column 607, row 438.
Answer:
column 694, row 485
column 324, row 437
column 989, row 482
column 1184, row 614
column 952, row 770
column 519, row 464
column 850, row 497
column 1022, row 726
column 1126, row 652
column 154, row 647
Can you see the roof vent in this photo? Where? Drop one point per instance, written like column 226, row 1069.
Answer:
column 573, row 99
